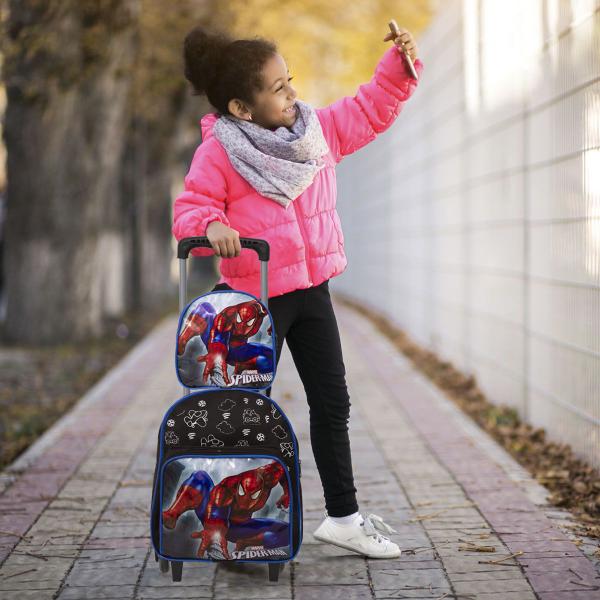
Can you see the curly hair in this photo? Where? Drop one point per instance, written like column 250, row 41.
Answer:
column 224, row 68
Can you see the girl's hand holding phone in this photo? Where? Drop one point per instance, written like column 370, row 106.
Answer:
column 224, row 240
column 404, row 40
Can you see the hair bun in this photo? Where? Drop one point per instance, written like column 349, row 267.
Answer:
column 223, row 68
column 202, row 51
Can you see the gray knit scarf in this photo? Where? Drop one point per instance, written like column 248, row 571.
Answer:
column 279, row 164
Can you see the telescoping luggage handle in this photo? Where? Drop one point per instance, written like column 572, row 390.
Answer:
column 261, row 247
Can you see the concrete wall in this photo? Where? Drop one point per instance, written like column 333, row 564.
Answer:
column 474, row 221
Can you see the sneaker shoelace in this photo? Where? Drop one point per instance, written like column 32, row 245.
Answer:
column 373, row 524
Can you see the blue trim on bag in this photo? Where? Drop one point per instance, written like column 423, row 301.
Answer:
column 161, row 456
column 217, row 387
column 255, row 560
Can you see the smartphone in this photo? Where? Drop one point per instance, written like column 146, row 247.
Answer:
column 394, row 29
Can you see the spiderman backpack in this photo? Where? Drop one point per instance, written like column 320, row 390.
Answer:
column 227, row 477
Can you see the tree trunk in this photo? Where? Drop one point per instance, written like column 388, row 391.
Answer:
column 65, row 125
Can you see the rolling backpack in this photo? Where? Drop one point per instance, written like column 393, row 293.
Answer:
column 227, row 477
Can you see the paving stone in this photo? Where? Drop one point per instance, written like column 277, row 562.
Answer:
column 175, row 590
column 439, row 435
column 95, row 576
column 402, row 563
column 30, row 581
column 255, row 576
column 419, row 594
column 193, row 575
column 332, row 592
column 465, row 564
column 251, row 581
column 557, row 564
column 419, row 467
column 492, row 586
column 102, row 557
column 562, row 581
column 28, row 595
column 108, row 592
column 94, row 543
column 421, row 579
column 504, row 596
column 116, row 530
column 491, row 575
column 337, row 571
column 324, row 552
column 571, row 595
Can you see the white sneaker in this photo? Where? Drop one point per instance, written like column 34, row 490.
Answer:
column 361, row 536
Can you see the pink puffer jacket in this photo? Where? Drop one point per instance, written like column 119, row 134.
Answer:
column 306, row 239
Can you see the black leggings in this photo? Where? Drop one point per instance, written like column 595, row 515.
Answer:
column 305, row 318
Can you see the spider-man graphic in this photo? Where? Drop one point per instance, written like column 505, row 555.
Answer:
column 225, row 336
column 225, row 510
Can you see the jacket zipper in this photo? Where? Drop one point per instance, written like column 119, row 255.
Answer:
column 305, row 243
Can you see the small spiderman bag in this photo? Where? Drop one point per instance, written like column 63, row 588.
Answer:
column 227, row 477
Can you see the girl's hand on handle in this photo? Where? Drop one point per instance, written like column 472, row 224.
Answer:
column 224, row 240
column 404, row 41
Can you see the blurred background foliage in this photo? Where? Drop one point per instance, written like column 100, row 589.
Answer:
column 98, row 130
column 100, row 85
column 329, row 47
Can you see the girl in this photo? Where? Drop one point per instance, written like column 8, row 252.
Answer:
column 266, row 169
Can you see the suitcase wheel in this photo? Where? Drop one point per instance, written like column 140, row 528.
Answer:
column 176, row 569
column 163, row 565
column 274, row 570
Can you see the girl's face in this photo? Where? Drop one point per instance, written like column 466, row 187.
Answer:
column 277, row 95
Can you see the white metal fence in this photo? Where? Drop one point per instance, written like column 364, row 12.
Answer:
column 474, row 221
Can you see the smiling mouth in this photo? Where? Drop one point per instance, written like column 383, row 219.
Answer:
column 291, row 110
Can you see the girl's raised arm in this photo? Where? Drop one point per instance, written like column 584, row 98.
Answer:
column 353, row 121
column 203, row 199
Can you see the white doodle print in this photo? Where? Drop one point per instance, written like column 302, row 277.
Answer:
column 211, row 440
column 245, row 431
column 225, row 427
column 275, row 413
column 171, row 423
column 259, row 401
column 246, row 400
column 191, row 435
column 201, row 402
column 227, row 404
column 226, row 415
column 260, row 437
column 250, row 416
column 266, row 418
column 287, row 449
column 196, row 417
column 279, row 431
column 171, row 438
column 242, row 443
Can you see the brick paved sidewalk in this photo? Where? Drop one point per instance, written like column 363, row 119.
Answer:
column 74, row 508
